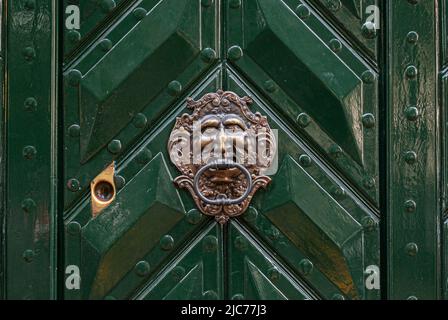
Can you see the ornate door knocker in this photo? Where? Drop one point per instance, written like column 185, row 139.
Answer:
column 222, row 150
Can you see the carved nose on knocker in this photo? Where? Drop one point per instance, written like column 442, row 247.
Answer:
column 222, row 199
column 221, row 122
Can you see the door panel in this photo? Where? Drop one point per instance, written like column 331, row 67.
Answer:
column 310, row 235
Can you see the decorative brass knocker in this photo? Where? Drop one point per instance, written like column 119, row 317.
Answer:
column 222, row 150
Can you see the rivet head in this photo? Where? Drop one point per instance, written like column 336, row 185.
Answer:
column 412, row 298
column 208, row 55
column 206, row 3
column 273, row 273
column 28, row 255
column 334, row 5
column 412, row 37
column 30, row 104
column 234, row 53
column 108, row 5
column 303, row 120
column 412, row 113
column 302, row 11
column 368, row 120
column 251, row 215
column 411, row 72
column 142, row 268
column 414, row 2
column 139, row 13
column 74, row 77
column 119, row 181
column 74, row 130
column 29, row 152
column 240, row 243
column 273, row 233
column 30, row 4
column 29, row 53
column 369, row 183
column 178, row 273
column 210, row 243
column 105, row 45
column 238, row 296
column 305, row 160
column 210, row 295
column 335, row 45
column 235, row 4
column 306, row 267
column 410, row 157
column 144, row 156
column 114, row 146
column 140, row 120
column 167, row 242
column 194, row 216
column 73, row 185
column 338, row 296
column 74, row 36
column 410, row 206
column 368, row 224
column 368, row 30
column 73, row 228
column 339, row 193
column 368, row 77
column 270, row 86
column 411, row 249
column 174, row 88
column 28, row 205
column 335, row 150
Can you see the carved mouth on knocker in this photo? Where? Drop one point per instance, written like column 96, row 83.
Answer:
column 221, row 123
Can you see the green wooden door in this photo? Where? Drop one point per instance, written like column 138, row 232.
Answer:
column 127, row 72
column 320, row 71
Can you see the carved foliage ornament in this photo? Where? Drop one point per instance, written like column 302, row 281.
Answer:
column 222, row 150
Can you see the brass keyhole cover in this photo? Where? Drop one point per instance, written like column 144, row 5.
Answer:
column 103, row 190
column 222, row 150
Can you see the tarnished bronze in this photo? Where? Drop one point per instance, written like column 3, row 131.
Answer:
column 216, row 148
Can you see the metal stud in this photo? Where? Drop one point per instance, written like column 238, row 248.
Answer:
column 412, row 113
column 74, row 36
column 410, row 206
column 28, row 255
column 240, row 243
column 167, row 242
column 338, row 296
column 206, row 3
column 28, row 205
column 30, row 104
column 208, row 55
column 30, row 4
column 29, row 53
column 273, row 273
column 105, row 45
column 411, row 249
column 303, row 120
column 234, row 53
column 108, row 5
column 334, row 5
column 238, row 296
column 368, row 77
column 335, row 150
column 120, row 182
column 142, row 268
column 368, row 224
column 139, row 13
column 114, row 146
column 368, row 120
column 178, row 273
column 305, row 160
column 144, row 156
column 339, row 193
column 174, row 88
column 302, row 11
column 74, row 77
column 251, row 214
column 369, row 183
column 210, row 243
column 73, row 185
column 412, row 37
column 411, row 72
column 270, row 86
column 335, row 45
column 74, row 228
column 194, row 216
column 368, row 30
column 29, row 152
column 210, row 295
column 235, row 4
column 410, row 157
column 74, row 130
column 306, row 267
column 273, row 233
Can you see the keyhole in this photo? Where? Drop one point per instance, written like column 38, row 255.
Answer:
column 104, row 191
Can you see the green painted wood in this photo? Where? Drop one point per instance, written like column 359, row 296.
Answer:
column 413, row 200
column 31, row 135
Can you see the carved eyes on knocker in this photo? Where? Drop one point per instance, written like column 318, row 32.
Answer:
column 222, row 150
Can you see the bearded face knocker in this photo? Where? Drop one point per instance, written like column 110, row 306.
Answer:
column 222, row 150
